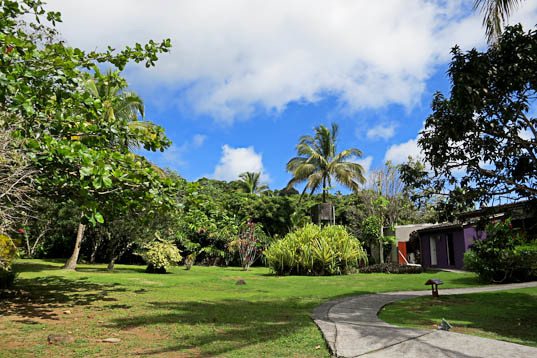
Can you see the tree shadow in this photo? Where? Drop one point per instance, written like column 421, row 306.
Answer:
column 228, row 325
column 469, row 281
column 36, row 297
column 501, row 314
column 36, row 266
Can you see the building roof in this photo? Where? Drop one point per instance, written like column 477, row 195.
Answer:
column 519, row 209
column 403, row 232
column 441, row 227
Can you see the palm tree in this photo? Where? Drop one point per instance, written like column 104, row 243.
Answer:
column 120, row 103
column 496, row 13
column 317, row 163
column 251, row 183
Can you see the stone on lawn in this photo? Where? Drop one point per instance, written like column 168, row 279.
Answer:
column 60, row 338
column 240, row 282
column 111, row 340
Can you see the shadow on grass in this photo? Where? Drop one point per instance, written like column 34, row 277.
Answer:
column 36, row 298
column 468, row 281
column 116, row 269
column 215, row 328
column 511, row 315
column 52, row 264
column 36, row 266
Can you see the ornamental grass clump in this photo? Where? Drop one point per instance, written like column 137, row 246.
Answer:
column 316, row 250
column 160, row 255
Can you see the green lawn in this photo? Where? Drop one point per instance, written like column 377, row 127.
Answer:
column 196, row 313
column 504, row 315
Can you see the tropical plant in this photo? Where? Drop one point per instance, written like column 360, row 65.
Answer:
column 121, row 103
column 317, row 163
column 316, row 250
column 251, row 183
column 495, row 15
column 250, row 243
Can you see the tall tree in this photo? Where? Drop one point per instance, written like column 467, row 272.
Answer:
column 495, row 15
column 120, row 103
column 80, row 157
column 251, row 183
column 318, row 164
column 481, row 142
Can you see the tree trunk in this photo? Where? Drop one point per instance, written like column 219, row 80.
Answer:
column 381, row 251
column 71, row 263
column 96, row 244
column 324, row 190
column 381, row 242
column 112, row 263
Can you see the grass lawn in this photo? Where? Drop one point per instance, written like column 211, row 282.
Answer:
column 504, row 315
column 196, row 313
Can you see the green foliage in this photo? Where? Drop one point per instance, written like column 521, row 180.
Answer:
column 251, row 183
column 160, row 255
column 318, row 163
column 8, row 253
column 487, row 126
column 371, row 230
column 503, row 256
column 316, row 250
column 81, row 150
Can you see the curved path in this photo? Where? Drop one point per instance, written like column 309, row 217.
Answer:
column 352, row 329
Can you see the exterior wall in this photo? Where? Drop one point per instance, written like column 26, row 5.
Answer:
column 462, row 239
column 442, row 249
column 425, row 250
column 470, row 234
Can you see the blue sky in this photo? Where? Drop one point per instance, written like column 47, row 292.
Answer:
column 247, row 78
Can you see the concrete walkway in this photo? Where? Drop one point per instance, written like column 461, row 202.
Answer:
column 352, row 329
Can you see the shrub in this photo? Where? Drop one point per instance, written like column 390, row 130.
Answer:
column 315, row 250
column 7, row 277
column 8, row 253
column 391, row 268
column 160, row 255
column 503, row 256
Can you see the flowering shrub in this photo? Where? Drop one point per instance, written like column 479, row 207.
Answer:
column 160, row 255
column 316, row 250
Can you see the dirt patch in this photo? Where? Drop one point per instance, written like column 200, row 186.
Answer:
column 152, row 283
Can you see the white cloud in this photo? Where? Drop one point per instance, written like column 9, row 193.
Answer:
column 232, row 58
column 235, row 161
column 364, row 162
column 399, row 153
column 174, row 155
column 381, row 132
column 198, row 140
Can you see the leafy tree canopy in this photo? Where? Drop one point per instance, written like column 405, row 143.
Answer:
column 481, row 142
column 80, row 150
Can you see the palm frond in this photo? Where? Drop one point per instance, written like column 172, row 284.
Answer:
column 495, row 15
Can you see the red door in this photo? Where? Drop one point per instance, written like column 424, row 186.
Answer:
column 402, row 249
